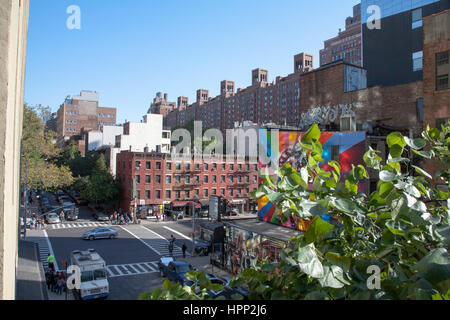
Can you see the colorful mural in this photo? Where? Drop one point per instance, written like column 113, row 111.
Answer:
column 243, row 249
column 276, row 149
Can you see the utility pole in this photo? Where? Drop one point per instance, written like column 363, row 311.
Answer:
column 24, row 217
column 193, row 226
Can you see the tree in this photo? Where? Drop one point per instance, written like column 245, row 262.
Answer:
column 101, row 186
column 391, row 244
column 39, row 151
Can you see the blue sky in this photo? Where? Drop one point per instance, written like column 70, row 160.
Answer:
column 128, row 51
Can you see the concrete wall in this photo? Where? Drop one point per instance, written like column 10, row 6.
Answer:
column 13, row 39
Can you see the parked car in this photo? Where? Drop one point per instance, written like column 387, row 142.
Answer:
column 174, row 270
column 101, row 233
column 72, row 215
column 101, row 216
column 232, row 212
column 52, row 218
column 202, row 248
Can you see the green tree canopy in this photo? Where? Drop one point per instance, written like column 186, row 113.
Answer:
column 39, row 151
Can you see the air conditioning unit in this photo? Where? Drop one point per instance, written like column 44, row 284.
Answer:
column 348, row 123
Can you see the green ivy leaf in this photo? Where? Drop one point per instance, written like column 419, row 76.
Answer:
column 313, row 134
column 317, row 229
column 387, row 176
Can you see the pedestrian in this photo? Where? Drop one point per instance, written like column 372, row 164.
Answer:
column 172, row 239
column 60, row 285
column 171, row 249
column 184, row 248
column 48, row 276
column 51, row 262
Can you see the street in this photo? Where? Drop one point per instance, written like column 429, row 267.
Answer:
column 131, row 258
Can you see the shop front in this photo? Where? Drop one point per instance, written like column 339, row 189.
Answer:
column 250, row 241
column 238, row 204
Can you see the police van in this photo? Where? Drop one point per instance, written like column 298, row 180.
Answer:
column 94, row 280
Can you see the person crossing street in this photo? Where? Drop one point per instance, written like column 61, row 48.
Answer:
column 51, row 262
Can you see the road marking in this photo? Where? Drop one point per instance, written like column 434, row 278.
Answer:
column 51, row 249
column 158, row 235
column 178, row 233
column 145, row 243
column 131, row 269
column 148, row 264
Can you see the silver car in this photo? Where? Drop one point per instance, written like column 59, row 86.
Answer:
column 52, row 218
column 101, row 233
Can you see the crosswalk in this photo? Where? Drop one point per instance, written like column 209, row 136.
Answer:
column 132, row 269
column 73, row 225
column 153, row 240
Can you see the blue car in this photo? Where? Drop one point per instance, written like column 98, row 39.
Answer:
column 174, row 270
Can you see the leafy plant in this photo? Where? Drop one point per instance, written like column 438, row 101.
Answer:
column 401, row 229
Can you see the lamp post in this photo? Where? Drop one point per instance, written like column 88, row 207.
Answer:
column 24, row 217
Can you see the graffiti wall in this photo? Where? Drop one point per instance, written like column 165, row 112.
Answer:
column 243, row 249
column 276, row 149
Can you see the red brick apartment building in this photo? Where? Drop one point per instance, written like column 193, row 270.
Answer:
column 82, row 112
column 162, row 181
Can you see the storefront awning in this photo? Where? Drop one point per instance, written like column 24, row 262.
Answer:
column 238, row 201
column 185, row 203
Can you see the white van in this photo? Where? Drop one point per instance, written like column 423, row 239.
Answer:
column 94, row 278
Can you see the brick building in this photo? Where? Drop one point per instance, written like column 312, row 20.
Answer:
column 162, row 181
column 262, row 102
column 436, row 73
column 347, row 45
column 161, row 105
column 82, row 112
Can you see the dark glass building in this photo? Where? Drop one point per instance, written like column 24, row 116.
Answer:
column 393, row 53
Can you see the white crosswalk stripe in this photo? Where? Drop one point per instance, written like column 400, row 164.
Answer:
column 131, row 269
column 79, row 225
column 153, row 240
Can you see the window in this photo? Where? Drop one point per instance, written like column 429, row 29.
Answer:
column 158, row 165
column 158, row 194
column 197, row 166
column 138, row 179
column 168, row 194
column 417, row 60
column 230, row 179
column 138, row 194
column 187, row 194
column 214, row 166
column 205, row 167
column 148, row 179
column 231, row 167
column 147, row 194
column 168, row 179
column 230, row 192
column 222, row 179
column 213, row 192
column 187, row 179
column 188, row 166
column 197, row 193
column 205, row 193
column 197, row 179
column 138, row 165
column 416, row 18
column 442, row 70
column 214, row 179
column 177, row 194
column 148, row 165
column 169, row 166
column 205, row 179
column 255, row 178
column 222, row 192
column 178, row 166
column 158, row 179
column 419, row 106
column 255, row 167
column 239, row 167
column 223, row 166
column 177, row 179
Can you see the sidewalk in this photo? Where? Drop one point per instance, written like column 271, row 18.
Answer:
column 202, row 265
column 30, row 278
